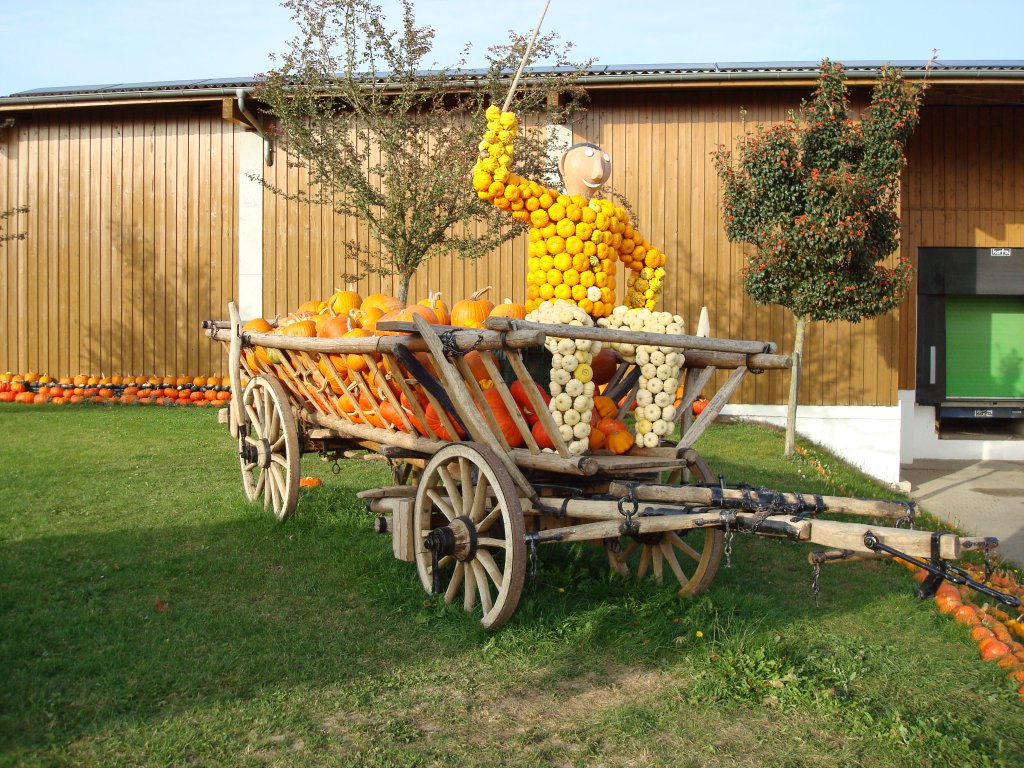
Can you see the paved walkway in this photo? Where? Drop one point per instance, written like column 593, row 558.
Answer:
column 984, row 498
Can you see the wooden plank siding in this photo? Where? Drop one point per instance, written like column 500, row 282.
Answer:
column 132, row 237
column 131, row 241
column 964, row 189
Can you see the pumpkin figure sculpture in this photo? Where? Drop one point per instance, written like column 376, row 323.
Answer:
column 575, row 237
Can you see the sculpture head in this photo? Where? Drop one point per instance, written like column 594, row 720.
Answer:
column 584, row 168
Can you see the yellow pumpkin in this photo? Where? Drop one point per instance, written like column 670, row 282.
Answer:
column 343, row 302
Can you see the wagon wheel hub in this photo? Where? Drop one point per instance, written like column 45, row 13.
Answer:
column 264, row 453
column 457, row 539
column 256, row 452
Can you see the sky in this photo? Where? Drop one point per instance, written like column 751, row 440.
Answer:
column 50, row 43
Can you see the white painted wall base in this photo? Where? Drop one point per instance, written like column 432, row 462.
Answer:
column 868, row 437
column 920, row 439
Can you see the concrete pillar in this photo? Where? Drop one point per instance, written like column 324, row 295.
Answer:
column 250, row 226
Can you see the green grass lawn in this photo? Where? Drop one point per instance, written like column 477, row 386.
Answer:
column 149, row 616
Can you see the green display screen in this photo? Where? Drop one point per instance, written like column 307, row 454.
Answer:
column 985, row 346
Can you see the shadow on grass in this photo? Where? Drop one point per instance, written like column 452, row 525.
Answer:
column 146, row 623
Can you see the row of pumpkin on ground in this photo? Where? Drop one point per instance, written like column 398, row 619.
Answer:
column 346, row 314
column 998, row 633
column 38, row 388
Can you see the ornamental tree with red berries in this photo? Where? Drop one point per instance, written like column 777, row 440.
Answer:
column 817, row 197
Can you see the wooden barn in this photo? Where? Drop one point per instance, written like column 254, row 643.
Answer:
column 144, row 219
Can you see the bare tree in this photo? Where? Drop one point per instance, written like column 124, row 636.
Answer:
column 390, row 140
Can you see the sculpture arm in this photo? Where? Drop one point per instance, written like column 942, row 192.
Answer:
column 492, row 175
column 646, row 265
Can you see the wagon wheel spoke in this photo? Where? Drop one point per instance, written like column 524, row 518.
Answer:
column 469, row 595
column 657, row 560
column 455, row 583
column 254, row 418
column 681, row 545
column 468, row 515
column 442, row 504
column 482, row 586
column 673, row 563
column 490, row 566
column 492, row 517
column 632, row 547
column 452, row 488
column 492, row 543
column 466, row 477
column 645, row 560
column 476, row 511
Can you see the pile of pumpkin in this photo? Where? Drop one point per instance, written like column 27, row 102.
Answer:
column 999, row 635
column 38, row 388
column 346, row 314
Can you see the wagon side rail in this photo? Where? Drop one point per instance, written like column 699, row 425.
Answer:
column 703, row 355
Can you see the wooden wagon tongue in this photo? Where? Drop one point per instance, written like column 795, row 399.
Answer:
column 765, row 513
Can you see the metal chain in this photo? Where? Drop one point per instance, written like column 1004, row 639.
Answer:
column 533, row 557
column 988, row 565
column 816, row 584
column 728, row 546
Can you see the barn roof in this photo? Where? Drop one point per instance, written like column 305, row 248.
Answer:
column 755, row 74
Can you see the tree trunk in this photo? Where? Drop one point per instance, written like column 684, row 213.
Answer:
column 403, row 287
column 794, row 384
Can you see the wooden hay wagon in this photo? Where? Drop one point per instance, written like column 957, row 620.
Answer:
column 475, row 495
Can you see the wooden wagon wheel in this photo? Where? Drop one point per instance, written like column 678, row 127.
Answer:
column 268, row 446
column 469, row 531
column 701, row 548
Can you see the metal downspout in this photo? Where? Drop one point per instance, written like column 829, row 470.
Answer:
column 257, row 124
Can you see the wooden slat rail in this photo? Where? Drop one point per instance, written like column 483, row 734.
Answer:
column 597, row 333
column 465, row 339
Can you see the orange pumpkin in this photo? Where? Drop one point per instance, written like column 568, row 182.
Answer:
column 368, row 319
column 597, row 440
column 337, row 362
column 305, row 328
column 405, row 315
column 390, row 414
column 476, row 365
column 334, row 327
column 621, row 441
column 508, row 309
column 501, row 415
column 385, row 302
column 605, row 407
column 471, row 312
column 541, row 436
column 355, row 362
column 439, row 308
column 525, row 406
column 369, row 414
column 434, row 422
column 611, row 426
